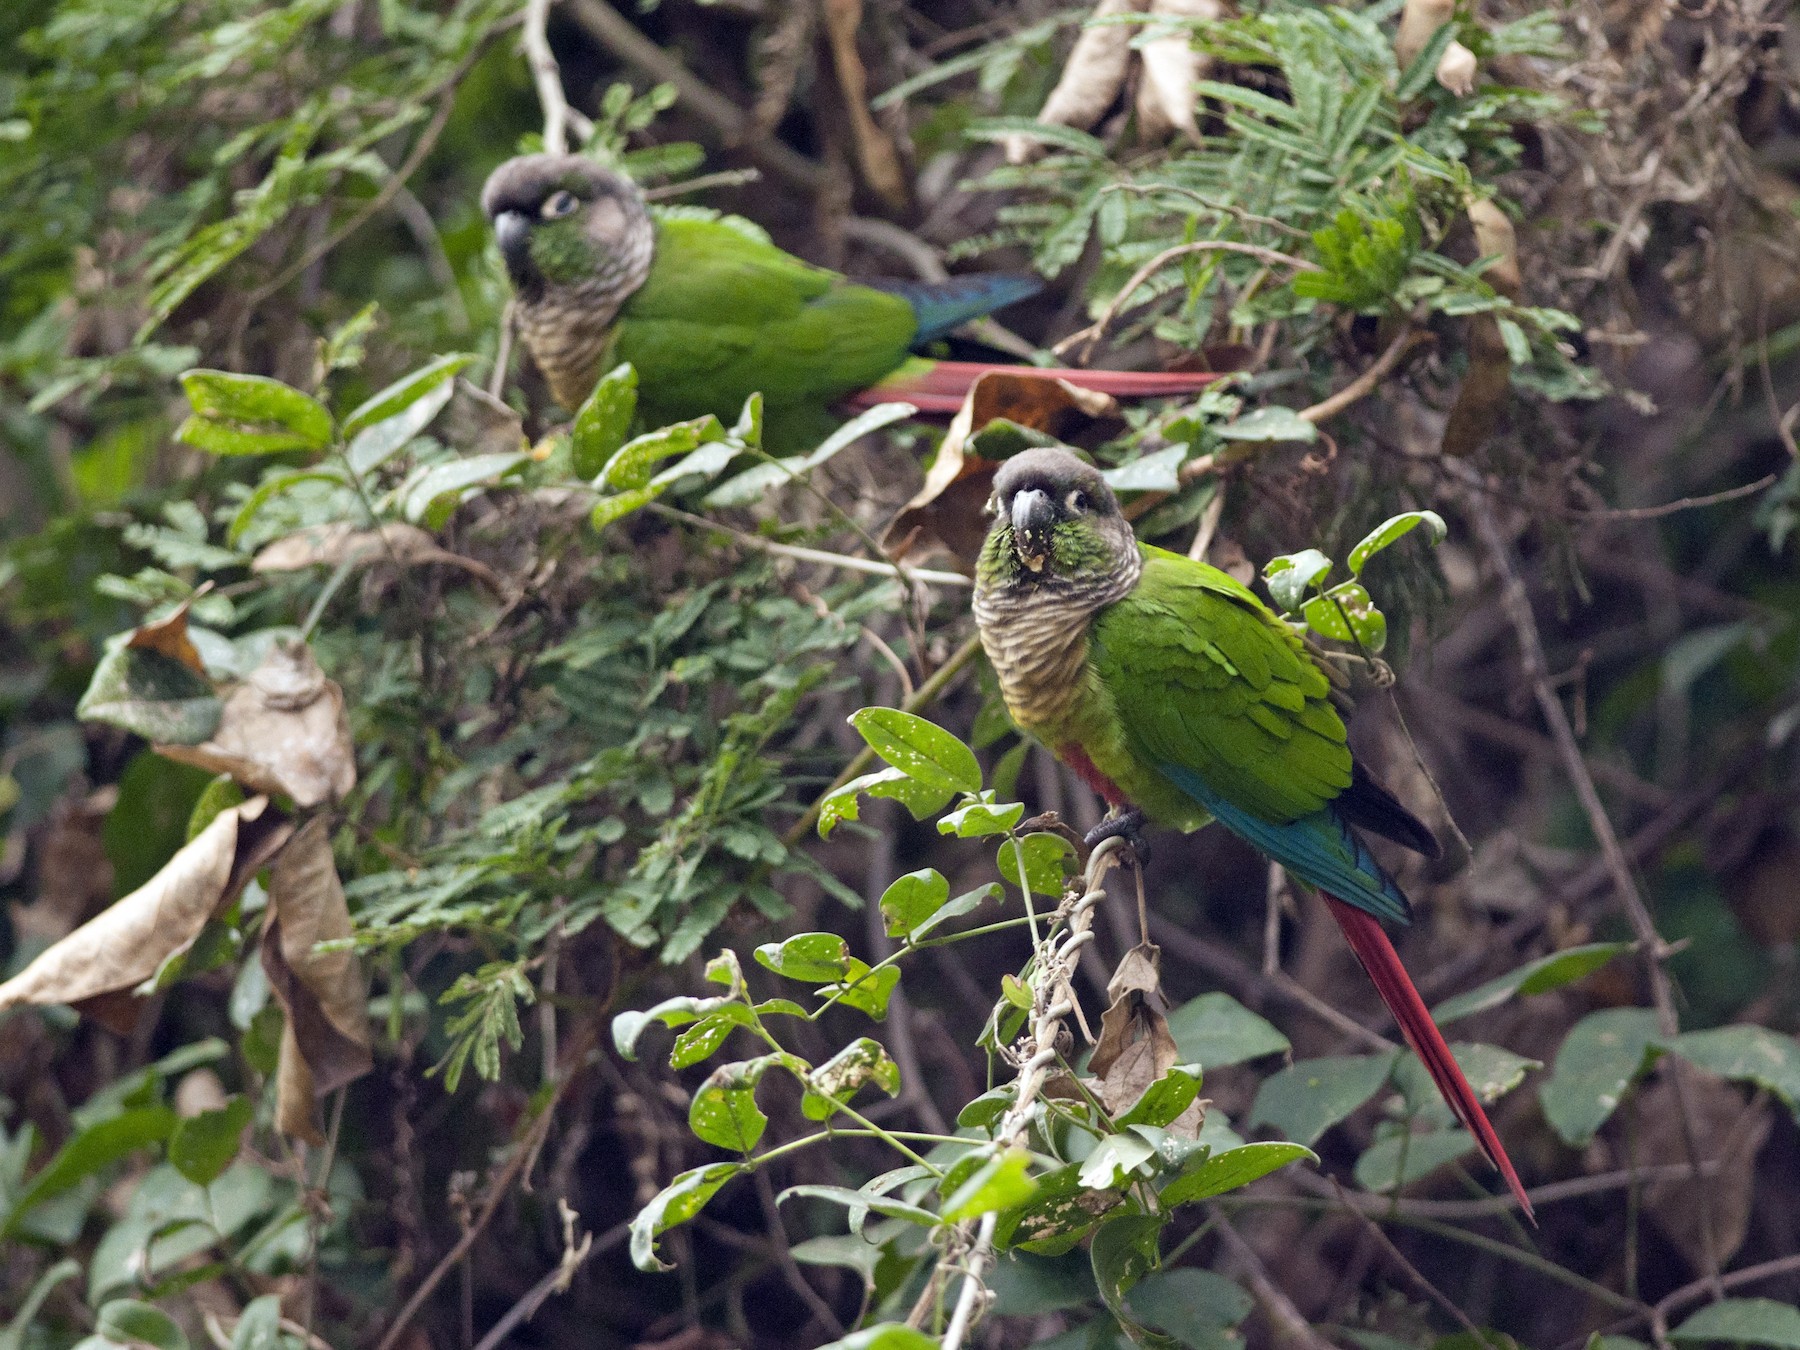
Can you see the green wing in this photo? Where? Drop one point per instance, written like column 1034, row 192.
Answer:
column 1206, row 678
column 723, row 314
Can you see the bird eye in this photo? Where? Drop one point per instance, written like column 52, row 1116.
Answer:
column 1077, row 501
column 559, row 204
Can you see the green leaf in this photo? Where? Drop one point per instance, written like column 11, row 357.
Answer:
column 956, row 907
column 675, row 1204
column 1159, row 471
column 1392, row 529
column 150, row 695
column 1401, row 1157
column 92, row 1150
column 1269, row 424
column 1534, row 977
column 125, row 1321
column 1124, row 1250
column 406, row 391
column 984, row 1112
column 1059, row 1214
column 260, row 1326
column 1231, row 1168
column 912, row 899
column 882, row 1336
column 671, row 1012
column 1311, row 1095
column 378, row 442
column 1491, row 1070
column 839, row 1078
column 980, row 819
column 845, row 803
column 1016, row 992
column 1165, row 1099
column 1196, row 1307
column 453, row 478
column 1044, row 855
column 1750, row 1053
column 1744, row 1321
column 602, row 423
column 1114, row 1162
column 748, row 429
column 1345, row 613
column 1291, row 575
column 701, row 1040
column 724, row 1111
column 1597, row 1061
column 865, row 989
column 634, row 463
column 1215, row 1030
column 1001, row 1182
column 756, row 483
column 815, row 958
column 203, row 1146
column 620, row 505
column 250, row 415
column 860, row 1203
column 919, row 748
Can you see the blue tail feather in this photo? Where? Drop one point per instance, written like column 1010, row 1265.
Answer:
column 941, row 306
column 1320, row 849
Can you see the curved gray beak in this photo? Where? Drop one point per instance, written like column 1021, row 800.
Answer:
column 1033, row 517
column 513, row 231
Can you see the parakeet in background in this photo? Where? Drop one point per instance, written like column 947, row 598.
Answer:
column 709, row 311
column 1170, row 688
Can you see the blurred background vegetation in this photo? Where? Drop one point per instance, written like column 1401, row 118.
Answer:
column 1558, row 304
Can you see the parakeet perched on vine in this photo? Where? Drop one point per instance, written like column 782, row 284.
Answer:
column 709, row 311
column 1175, row 693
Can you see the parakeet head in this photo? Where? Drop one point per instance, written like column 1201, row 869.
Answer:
column 1055, row 521
column 569, row 229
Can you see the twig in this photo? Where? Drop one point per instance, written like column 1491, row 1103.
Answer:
column 559, row 117
column 1386, row 1243
column 702, row 183
column 1291, row 1325
column 1675, row 507
column 555, row 1281
column 502, row 352
column 1092, row 334
column 1052, row 1000
column 615, row 32
column 1364, row 384
column 818, row 555
column 1517, row 606
column 1494, row 1205
column 822, row 1312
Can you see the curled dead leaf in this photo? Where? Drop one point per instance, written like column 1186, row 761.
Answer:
column 1091, row 78
column 1419, row 21
column 1487, row 383
column 169, row 636
column 1165, row 96
column 875, row 153
column 948, row 509
column 341, row 543
column 96, row 967
column 1456, row 70
column 1495, row 237
column 283, row 730
column 1135, row 1047
column 326, row 1040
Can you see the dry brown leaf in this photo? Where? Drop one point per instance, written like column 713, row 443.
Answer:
column 283, row 730
column 1486, row 385
column 170, row 638
column 875, row 153
column 477, row 423
column 1419, row 21
column 1495, row 237
column 1456, row 70
column 1724, row 1129
column 1091, row 78
column 1135, row 1047
column 97, row 966
column 948, row 509
column 326, row 1042
column 394, row 543
column 1165, row 95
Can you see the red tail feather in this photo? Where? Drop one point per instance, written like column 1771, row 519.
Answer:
column 942, row 388
column 1372, row 947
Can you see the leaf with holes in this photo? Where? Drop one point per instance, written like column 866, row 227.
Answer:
column 865, row 989
column 724, row 1111
column 839, row 1078
column 845, row 803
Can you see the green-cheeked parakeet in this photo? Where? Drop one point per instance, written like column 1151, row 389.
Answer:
column 1170, row 688
column 709, row 311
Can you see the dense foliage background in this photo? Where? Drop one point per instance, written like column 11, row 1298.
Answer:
column 569, row 707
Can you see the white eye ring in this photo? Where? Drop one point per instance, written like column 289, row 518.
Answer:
column 559, row 204
column 993, row 505
column 1077, row 501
